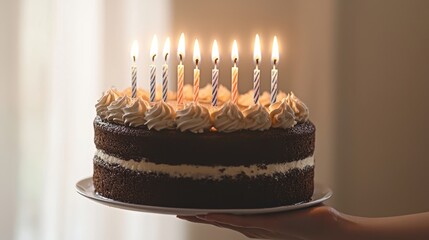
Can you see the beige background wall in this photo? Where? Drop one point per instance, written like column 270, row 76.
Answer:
column 382, row 90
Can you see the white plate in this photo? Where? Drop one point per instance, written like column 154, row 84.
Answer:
column 85, row 187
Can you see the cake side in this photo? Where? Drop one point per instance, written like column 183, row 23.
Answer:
column 116, row 182
column 208, row 149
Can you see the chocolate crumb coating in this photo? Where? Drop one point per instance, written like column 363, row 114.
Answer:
column 173, row 147
column 115, row 182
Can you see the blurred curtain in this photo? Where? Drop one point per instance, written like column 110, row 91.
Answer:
column 52, row 64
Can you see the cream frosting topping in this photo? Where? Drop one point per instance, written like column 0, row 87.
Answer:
column 256, row 117
column 134, row 112
column 301, row 111
column 115, row 111
column 205, row 172
column 119, row 107
column 106, row 99
column 227, row 118
column 282, row 115
column 160, row 116
column 194, row 118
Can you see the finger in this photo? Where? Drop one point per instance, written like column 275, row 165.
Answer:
column 248, row 232
column 247, row 221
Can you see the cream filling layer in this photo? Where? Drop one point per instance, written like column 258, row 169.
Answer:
column 205, row 172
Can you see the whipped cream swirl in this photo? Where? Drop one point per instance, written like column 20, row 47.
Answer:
column 134, row 112
column 256, row 117
column 282, row 115
column 115, row 111
column 227, row 118
column 160, row 116
column 300, row 109
column 194, row 117
column 108, row 97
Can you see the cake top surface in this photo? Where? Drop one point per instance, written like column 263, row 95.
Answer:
column 197, row 117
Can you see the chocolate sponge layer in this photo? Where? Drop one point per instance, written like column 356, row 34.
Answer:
column 210, row 148
column 116, row 182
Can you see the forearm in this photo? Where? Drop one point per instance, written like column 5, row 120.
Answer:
column 415, row 226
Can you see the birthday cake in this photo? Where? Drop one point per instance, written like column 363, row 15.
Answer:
column 234, row 155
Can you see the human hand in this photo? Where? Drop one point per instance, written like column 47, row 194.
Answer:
column 319, row 222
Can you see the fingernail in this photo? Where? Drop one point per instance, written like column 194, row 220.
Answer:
column 203, row 217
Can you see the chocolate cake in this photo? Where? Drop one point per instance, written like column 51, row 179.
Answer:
column 202, row 157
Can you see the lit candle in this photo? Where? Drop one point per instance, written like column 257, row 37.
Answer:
column 215, row 73
column 153, row 53
column 256, row 72
column 180, row 69
column 274, row 71
column 234, row 73
column 197, row 59
column 165, row 70
column 134, row 54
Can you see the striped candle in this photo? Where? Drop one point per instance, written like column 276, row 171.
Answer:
column 256, row 84
column 256, row 72
column 215, row 73
column 134, row 53
column 196, row 58
column 165, row 70
column 152, row 82
column 234, row 88
column 274, row 75
column 234, row 73
column 164, row 82
column 196, row 83
column 180, row 77
column 274, row 71
column 152, row 68
column 134, row 80
column 215, row 85
column 180, row 70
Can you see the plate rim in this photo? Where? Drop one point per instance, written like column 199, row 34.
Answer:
column 92, row 195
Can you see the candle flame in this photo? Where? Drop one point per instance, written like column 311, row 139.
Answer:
column 166, row 50
column 257, row 50
column 215, row 52
column 197, row 55
column 234, row 53
column 154, row 48
column 134, row 50
column 181, row 48
column 275, row 53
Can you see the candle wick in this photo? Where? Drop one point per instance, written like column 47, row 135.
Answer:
column 153, row 58
column 180, row 57
column 215, row 61
column 275, row 63
column 166, row 57
column 134, row 59
column 196, row 62
column 257, row 62
column 235, row 62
